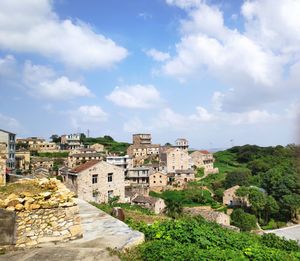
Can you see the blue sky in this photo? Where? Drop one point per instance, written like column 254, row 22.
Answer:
column 210, row 71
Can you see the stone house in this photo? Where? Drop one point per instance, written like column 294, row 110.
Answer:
column 3, row 164
column 157, row 205
column 9, row 139
column 142, row 149
column 204, row 159
column 98, row 147
column 44, row 147
column 80, row 158
column 232, row 200
column 71, row 141
column 182, row 143
column 22, row 159
column 96, row 181
column 175, row 159
column 158, row 180
column 44, row 162
column 182, row 177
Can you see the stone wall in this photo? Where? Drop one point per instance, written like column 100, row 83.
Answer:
column 49, row 214
column 47, row 225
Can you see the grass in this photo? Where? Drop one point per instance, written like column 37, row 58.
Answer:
column 132, row 212
column 63, row 154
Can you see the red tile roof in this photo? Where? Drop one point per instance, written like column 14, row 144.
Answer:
column 85, row 166
column 204, row 151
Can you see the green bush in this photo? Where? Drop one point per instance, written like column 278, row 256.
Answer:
column 197, row 239
column 243, row 220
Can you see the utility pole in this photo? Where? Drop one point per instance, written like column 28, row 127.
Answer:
column 88, row 133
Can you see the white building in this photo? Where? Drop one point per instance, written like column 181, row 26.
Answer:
column 9, row 139
column 123, row 162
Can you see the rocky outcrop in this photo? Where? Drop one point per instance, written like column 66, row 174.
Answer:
column 51, row 214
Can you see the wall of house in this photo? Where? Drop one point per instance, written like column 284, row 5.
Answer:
column 177, row 159
column 85, row 188
column 158, row 180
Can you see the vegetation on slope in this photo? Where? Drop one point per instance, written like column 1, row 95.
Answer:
column 195, row 239
column 110, row 144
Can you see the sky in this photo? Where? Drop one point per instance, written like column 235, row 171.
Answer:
column 217, row 72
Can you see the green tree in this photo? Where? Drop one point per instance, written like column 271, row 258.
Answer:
column 173, row 208
column 271, row 208
column 55, row 138
column 243, row 220
column 238, row 177
column 258, row 201
column 292, row 202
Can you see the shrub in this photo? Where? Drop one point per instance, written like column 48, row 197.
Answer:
column 243, row 220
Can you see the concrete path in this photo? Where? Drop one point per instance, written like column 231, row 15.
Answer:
column 292, row 232
column 100, row 232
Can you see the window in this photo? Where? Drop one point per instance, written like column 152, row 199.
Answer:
column 110, row 193
column 94, row 179
column 95, row 194
column 109, row 177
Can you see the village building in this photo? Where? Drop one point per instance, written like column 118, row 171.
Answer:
column 3, row 163
column 71, row 141
column 44, row 147
column 80, row 158
column 158, row 180
column 9, row 139
column 182, row 143
column 96, row 181
column 203, row 159
column 175, row 159
column 232, row 200
column 98, row 147
column 138, row 175
column 182, row 177
column 31, row 142
column 41, row 162
column 157, row 205
column 142, row 149
column 22, row 159
column 123, row 162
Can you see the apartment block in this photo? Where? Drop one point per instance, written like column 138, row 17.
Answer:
column 9, row 139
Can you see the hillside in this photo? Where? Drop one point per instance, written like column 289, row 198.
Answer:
column 273, row 170
column 110, row 144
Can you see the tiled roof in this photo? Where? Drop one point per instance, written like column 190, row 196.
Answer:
column 85, row 166
column 204, row 151
column 85, row 155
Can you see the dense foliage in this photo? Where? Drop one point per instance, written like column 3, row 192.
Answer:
column 272, row 169
column 110, row 144
column 196, row 239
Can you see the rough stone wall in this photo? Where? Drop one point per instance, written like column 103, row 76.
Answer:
column 47, row 225
column 49, row 215
column 177, row 159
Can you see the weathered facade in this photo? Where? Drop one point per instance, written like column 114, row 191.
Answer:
column 10, row 140
column 96, row 181
column 204, row 159
column 175, row 159
column 158, row 180
column 79, row 158
column 2, row 164
column 23, row 159
column 231, row 199
column 157, row 205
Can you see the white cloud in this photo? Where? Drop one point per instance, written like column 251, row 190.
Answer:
column 202, row 115
column 32, row 26
column 7, row 66
column 9, row 123
column 254, row 64
column 134, row 125
column 158, row 55
column 41, row 81
column 88, row 115
column 135, row 96
column 184, row 4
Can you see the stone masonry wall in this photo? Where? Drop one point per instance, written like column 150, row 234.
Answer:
column 49, row 215
column 47, row 225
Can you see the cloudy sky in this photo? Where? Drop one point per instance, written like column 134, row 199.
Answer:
column 216, row 72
